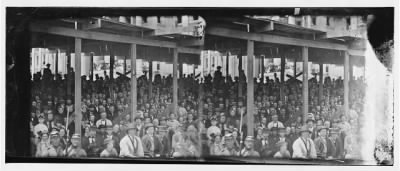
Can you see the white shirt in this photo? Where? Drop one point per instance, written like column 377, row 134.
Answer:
column 276, row 124
column 127, row 148
column 301, row 146
column 106, row 122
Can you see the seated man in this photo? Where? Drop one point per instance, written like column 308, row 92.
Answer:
column 275, row 123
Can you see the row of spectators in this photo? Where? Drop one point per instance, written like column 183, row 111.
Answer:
column 211, row 118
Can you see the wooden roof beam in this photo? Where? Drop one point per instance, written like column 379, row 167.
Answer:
column 68, row 32
column 223, row 32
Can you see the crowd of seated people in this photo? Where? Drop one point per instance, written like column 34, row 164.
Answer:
column 210, row 120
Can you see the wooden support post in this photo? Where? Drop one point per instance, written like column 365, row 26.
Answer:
column 227, row 66
column 56, row 65
column 305, row 83
column 351, row 76
column 346, row 83
column 321, row 82
column 282, row 79
column 250, row 88
column 180, row 70
column 240, row 93
column 125, row 65
column 150, row 79
column 200, row 100
column 180, row 80
column 78, row 87
column 112, row 61
column 175, row 81
column 68, row 55
column 262, row 69
column 295, row 67
column 91, row 67
column 133, row 82
column 194, row 71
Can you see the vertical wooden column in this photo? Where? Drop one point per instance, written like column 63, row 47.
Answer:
column 346, row 83
column 305, row 83
column 240, row 93
column 180, row 70
column 150, row 79
column 112, row 61
column 250, row 88
column 295, row 67
column 262, row 69
column 68, row 79
column 78, row 87
column 227, row 66
column 351, row 71
column 91, row 67
column 133, row 82
column 125, row 65
column 56, row 65
column 175, row 81
column 282, row 79
column 321, row 82
column 180, row 81
column 194, row 71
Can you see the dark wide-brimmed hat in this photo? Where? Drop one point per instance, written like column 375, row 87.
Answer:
column 266, row 130
column 282, row 129
column 109, row 127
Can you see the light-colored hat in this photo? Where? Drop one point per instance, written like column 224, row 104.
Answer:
column 304, row 129
column 76, row 136
column 319, row 128
column 249, row 138
column 131, row 126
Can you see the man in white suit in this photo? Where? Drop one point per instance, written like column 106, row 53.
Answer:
column 131, row 144
column 304, row 146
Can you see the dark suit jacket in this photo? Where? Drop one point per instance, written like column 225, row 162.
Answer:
column 266, row 150
column 147, row 145
column 94, row 149
column 335, row 150
column 164, row 146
